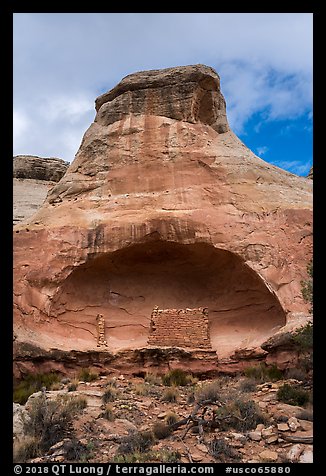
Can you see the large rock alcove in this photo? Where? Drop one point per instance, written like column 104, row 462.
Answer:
column 125, row 286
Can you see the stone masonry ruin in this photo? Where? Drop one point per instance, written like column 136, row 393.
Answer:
column 180, row 328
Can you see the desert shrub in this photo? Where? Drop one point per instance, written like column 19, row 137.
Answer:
column 171, row 418
column 296, row 373
column 162, row 456
column 292, row 395
column 26, row 449
column 90, row 452
column 139, row 441
column 192, row 380
column 221, row 450
column 75, row 450
column 109, row 395
column 108, row 413
column 250, row 415
column 74, row 404
column 161, row 430
column 111, row 383
column 307, row 286
column 281, row 418
column 51, row 420
column 248, row 385
column 306, row 362
column 141, row 389
column 166, row 456
column 86, row 375
column 152, row 379
column 73, row 385
column 303, row 337
column 170, row 395
column 240, row 414
column 33, row 383
column 210, row 391
column 306, row 415
column 263, row 373
column 176, row 377
column 191, row 397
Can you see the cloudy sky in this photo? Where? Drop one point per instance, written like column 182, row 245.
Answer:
column 63, row 61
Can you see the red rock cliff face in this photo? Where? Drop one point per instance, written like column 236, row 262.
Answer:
column 163, row 206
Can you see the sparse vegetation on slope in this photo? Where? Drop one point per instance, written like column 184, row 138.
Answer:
column 134, row 428
column 32, row 383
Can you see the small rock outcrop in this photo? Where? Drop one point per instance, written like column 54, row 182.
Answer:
column 33, row 177
column 49, row 169
column 311, row 173
column 163, row 206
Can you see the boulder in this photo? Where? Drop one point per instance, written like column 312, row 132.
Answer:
column 268, row 456
column 293, row 424
column 283, row 427
column 255, row 435
column 294, row 453
column 20, row 419
column 307, row 456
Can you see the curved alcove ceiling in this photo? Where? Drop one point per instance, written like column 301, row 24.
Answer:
column 125, row 285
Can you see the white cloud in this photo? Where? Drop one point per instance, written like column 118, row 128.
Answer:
column 67, row 108
column 63, row 61
column 20, row 125
column 294, row 166
column 262, row 150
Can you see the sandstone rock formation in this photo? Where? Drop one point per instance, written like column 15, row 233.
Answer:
column 311, row 173
column 33, row 178
column 163, row 205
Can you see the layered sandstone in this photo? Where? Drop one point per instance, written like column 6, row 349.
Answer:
column 163, row 205
column 33, row 178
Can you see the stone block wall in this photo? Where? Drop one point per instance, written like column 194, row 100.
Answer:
column 180, row 328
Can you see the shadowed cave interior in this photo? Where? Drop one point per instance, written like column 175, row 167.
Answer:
column 125, row 286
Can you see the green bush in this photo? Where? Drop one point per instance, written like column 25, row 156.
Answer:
column 303, row 337
column 210, row 391
column 248, row 385
column 86, row 375
column 32, row 383
column 292, row 395
column 176, row 377
column 307, row 286
column 263, row 373
column 109, row 395
column 51, row 420
column 240, row 414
